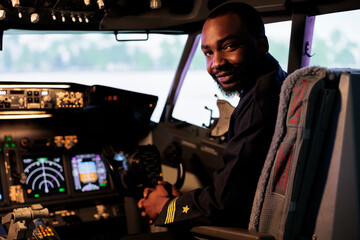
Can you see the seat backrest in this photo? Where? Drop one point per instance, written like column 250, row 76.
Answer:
column 296, row 156
column 334, row 212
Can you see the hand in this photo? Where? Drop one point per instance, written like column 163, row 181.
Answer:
column 171, row 189
column 154, row 200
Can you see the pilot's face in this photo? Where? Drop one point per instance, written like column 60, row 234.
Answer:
column 231, row 52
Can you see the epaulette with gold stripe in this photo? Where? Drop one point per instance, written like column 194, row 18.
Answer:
column 171, row 211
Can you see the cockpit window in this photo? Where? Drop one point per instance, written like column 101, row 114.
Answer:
column 197, row 99
column 336, row 40
column 93, row 58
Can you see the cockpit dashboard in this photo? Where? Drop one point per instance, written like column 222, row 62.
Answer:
column 51, row 147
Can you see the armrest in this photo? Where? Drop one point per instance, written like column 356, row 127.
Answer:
column 228, row 233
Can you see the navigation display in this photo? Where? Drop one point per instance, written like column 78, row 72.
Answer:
column 89, row 172
column 44, row 175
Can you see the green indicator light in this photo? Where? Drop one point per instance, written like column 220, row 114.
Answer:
column 0, row 149
column 102, row 184
column 61, row 189
column 36, row 195
column 13, row 145
column 6, row 145
column 8, row 139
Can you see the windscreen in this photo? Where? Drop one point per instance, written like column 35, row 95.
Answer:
column 93, row 59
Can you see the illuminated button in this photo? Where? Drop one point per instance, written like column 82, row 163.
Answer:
column 29, row 93
column 2, row 14
column 29, row 99
column 36, row 93
column 47, row 98
column 78, row 95
column 34, row 18
column 21, row 102
column 15, row 3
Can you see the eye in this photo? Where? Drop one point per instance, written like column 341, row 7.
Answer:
column 229, row 47
column 207, row 53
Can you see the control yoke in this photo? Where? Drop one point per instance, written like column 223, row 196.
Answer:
column 141, row 169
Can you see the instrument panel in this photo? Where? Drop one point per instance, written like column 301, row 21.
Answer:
column 42, row 97
column 42, row 170
column 52, row 136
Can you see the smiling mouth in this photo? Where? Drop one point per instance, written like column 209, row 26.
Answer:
column 224, row 77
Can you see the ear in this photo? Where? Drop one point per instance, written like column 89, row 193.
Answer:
column 263, row 45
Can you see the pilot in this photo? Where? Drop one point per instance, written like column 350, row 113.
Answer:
column 236, row 50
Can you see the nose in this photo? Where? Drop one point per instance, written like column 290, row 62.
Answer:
column 217, row 60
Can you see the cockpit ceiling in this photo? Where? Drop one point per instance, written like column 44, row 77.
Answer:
column 137, row 15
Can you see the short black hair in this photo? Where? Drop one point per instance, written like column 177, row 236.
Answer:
column 247, row 13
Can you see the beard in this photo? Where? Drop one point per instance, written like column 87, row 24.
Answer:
column 227, row 92
column 241, row 81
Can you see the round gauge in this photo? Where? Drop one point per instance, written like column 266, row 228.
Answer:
column 44, row 176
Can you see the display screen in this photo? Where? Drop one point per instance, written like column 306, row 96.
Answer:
column 1, row 197
column 44, row 176
column 89, row 172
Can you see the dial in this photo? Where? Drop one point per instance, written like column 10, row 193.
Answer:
column 44, row 176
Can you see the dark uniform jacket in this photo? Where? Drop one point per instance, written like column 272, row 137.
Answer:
column 229, row 200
